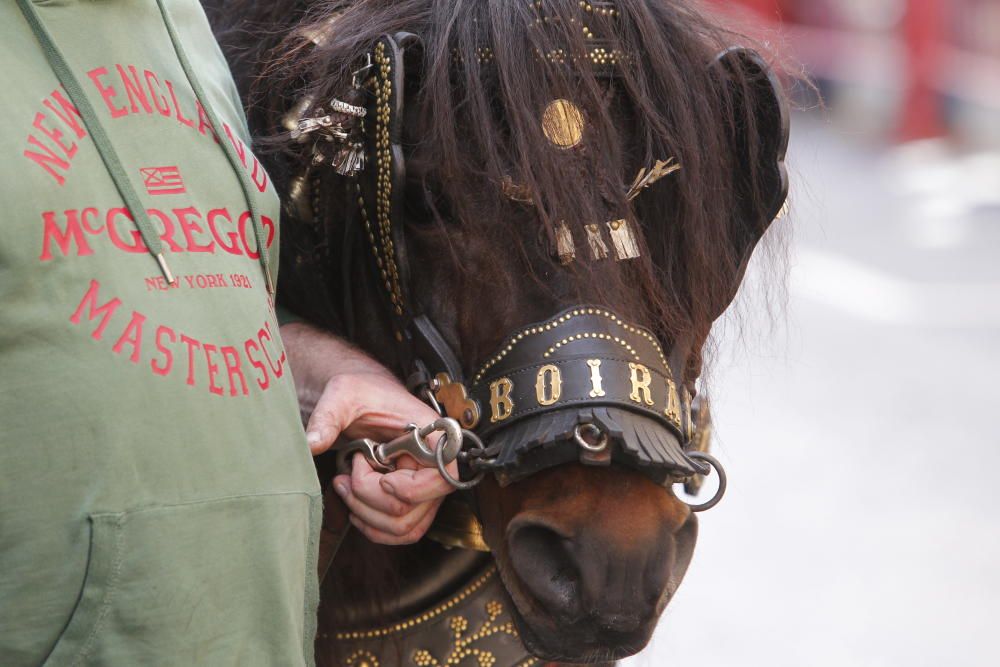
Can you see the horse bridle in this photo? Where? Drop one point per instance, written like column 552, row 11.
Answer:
column 584, row 385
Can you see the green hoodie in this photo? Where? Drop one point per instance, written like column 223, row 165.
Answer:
column 158, row 504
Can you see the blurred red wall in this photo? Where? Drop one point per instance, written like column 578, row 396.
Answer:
column 936, row 52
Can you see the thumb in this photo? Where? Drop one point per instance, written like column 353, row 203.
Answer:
column 335, row 410
column 325, row 424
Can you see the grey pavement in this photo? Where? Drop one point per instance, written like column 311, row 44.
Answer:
column 859, row 425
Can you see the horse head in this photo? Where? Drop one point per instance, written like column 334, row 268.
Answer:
column 534, row 211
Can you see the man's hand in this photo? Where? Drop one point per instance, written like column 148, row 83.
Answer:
column 349, row 395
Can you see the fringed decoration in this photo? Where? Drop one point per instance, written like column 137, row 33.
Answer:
column 598, row 248
column 565, row 247
column 349, row 159
column 623, row 239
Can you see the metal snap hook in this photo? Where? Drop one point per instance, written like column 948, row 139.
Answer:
column 381, row 456
column 369, row 448
column 594, row 432
column 719, row 492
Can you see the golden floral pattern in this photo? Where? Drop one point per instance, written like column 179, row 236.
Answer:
column 473, row 628
column 467, row 645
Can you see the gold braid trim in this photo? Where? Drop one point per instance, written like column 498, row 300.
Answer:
column 383, row 185
column 422, row 618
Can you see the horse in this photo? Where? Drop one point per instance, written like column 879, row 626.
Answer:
column 534, row 211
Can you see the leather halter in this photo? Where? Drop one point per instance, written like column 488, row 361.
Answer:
column 528, row 441
column 531, row 398
column 625, row 353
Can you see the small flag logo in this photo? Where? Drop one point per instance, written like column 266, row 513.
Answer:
column 163, row 180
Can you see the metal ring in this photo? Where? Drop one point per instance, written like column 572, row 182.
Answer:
column 595, row 431
column 443, row 467
column 719, row 492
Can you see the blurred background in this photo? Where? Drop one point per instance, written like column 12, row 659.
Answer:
column 860, row 421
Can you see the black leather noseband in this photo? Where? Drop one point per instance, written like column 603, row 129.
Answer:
column 583, row 367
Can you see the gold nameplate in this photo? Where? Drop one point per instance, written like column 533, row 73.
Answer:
column 596, row 381
column 641, row 379
column 673, row 411
column 644, row 388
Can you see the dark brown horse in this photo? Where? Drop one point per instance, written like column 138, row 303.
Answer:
column 528, row 130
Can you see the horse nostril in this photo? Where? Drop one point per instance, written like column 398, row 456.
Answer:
column 543, row 560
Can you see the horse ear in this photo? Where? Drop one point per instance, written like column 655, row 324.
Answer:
column 759, row 141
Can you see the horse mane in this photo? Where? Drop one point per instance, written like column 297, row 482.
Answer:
column 667, row 98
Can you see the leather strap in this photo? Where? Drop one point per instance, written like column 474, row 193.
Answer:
column 382, row 191
column 431, row 347
column 336, row 524
column 333, row 530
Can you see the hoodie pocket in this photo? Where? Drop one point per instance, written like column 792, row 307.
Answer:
column 221, row 582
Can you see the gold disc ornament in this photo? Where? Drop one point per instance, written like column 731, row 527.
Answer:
column 562, row 122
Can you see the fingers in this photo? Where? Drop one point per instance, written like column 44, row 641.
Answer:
column 382, row 537
column 384, row 517
column 359, row 406
column 320, row 438
column 417, row 486
column 395, row 526
column 364, row 484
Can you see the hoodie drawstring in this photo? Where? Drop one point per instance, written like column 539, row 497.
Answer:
column 227, row 147
column 107, row 152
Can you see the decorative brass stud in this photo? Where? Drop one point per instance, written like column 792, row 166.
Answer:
column 562, row 123
column 577, row 313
